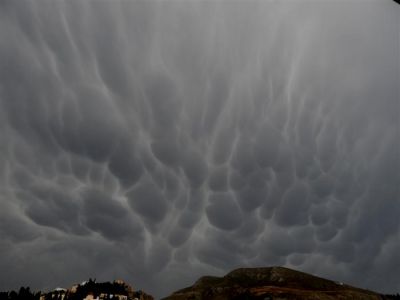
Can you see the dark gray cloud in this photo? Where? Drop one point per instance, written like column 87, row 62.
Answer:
column 223, row 212
column 148, row 201
column 158, row 141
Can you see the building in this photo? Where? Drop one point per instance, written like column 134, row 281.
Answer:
column 90, row 296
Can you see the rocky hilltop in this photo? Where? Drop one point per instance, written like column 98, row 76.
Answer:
column 270, row 284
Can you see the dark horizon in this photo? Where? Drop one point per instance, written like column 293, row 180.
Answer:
column 293, row 280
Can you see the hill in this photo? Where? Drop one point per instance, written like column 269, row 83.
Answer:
column 270, row 284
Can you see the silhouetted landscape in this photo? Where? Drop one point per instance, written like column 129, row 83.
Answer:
column 88, row 290
column 273, row 283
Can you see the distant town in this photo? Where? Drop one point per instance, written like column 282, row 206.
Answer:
column 87, row 290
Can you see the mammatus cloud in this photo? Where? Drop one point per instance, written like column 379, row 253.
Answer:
column 157, row 141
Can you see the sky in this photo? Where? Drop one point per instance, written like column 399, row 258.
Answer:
column 158, row 141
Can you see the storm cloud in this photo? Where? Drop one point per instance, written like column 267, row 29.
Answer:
column 157, row 141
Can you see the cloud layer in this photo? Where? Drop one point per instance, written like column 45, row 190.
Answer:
column 157, row 141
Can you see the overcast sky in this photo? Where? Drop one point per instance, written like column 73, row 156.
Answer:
column 157, row 141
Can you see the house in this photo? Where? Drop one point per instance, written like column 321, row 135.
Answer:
column 90, row 296
column 58, row 293
column 104, row 296
column 74, row 288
